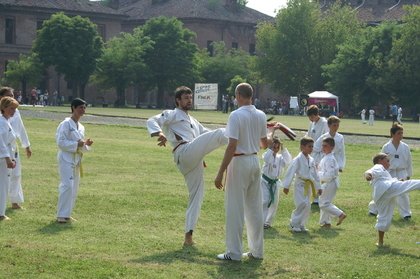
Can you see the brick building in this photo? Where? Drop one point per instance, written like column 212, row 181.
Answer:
column 211, row 20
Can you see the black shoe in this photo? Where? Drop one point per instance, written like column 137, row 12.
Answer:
column 407, row 217
column 372, row 214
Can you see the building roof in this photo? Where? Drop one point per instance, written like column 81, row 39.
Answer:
column 83, row 6
column 190, row 9
column 375, row 11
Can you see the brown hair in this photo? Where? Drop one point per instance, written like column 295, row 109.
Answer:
column 333, row 119
column 245, row 90
column 395, row 128
column 181, row 91
column 329, row 141
column 312, row 110
column 306, row 140
column 378, row 157
column 5, row 90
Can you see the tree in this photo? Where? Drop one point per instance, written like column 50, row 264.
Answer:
column 360, row 69
column 172, row 60
column 72, row 45
column 292, row 50
column 122, row 63
column 405, row 60
column 224, row 65
column 26, row 70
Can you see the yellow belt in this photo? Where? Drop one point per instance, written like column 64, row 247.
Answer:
column 309, row 185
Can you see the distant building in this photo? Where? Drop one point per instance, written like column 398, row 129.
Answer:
column 211, row 21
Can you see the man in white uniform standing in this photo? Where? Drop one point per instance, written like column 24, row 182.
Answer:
column 247, row 131
column 15, row 189
column 191, row 141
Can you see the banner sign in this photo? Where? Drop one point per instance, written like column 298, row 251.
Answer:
column 205, row 96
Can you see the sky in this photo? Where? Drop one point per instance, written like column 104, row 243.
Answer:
column 267, row 6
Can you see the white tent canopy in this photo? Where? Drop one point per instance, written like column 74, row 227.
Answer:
column 324, row 97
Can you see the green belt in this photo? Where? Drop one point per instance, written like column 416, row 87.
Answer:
column 271, row 187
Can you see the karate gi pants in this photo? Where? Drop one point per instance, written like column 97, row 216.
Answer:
column 68, row 188
column 4, row 185
column 386, row 202
column 403, row 201
column 327, row 208
column 189, row 159
column 243, row 204
column 302, row 210
column 15, row 188
column 270, row 212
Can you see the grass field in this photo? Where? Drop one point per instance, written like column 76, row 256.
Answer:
column 130, row 213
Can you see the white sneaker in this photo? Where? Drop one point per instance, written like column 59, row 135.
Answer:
column 224, row 257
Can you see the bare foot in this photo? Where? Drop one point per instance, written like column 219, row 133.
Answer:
column 380, row 244
column 341, row 218
column 188, row 239
column 16, row 206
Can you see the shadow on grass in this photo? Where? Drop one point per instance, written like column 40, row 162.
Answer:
column 53, row 228
column 271, row 233
column 388, row 250
column 401, row 223
column 314, row 208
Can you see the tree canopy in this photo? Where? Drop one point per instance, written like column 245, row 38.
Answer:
column 72, row 45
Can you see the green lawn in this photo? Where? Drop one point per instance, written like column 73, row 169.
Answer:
column 131, row 207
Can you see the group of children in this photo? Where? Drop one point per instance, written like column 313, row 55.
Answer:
column 315, row 172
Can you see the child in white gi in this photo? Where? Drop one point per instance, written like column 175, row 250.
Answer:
column 274, row 163
column 363, row 116
column 303, row 169
column 71, row 146
column 339, row 148
column 318, row 125
column 385, row 190
column 400, row 167
column 371, row 117
column 328, row 175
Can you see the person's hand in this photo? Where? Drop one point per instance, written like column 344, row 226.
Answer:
column 340, row 170
column 28, row 152
column 319, row 192
column 368, row 177
column 11, row 164
column 89, row 142
column 162, row 139
column 286, row 191
column 218, row 181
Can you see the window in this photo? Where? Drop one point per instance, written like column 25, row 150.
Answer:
column 210, row 48
column 252, row 49
column 101, row 31
column 234, row 45
column 10, row 32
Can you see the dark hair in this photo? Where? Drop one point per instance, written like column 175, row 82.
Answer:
column 333, row 119
column 312, row 110
column 395, row 128
column 245, row 90
column 378, row 157
column 77, row 102
column 306, row 140
column 274, row 141
column 4, row 90
column 329, row 141
column 181, row 91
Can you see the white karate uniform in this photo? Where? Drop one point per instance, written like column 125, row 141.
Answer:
column 371, row 117
column 400, row 168
column 301, row 168
column 339, row 149
column 69, row 158
column 243, row 199
column 316, row 129
column 197, row 141
column 385, row 191
column 15, row 190
column 7, row 149
column 363, row 115
column 272, row 168
column 399, row 115
column 328, row 175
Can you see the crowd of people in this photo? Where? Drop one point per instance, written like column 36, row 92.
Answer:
column 251, row 193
